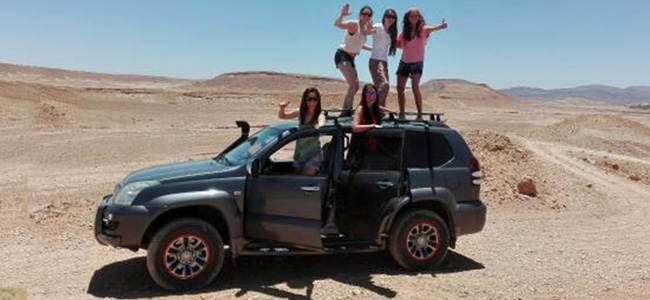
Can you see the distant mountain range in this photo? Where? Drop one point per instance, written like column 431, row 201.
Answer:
column 600, row 93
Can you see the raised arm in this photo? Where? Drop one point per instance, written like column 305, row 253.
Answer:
column 286, row 116
column 367, row 48
column 433, row 28
column 350, row 26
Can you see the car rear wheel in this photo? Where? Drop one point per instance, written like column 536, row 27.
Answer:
column 418, row 239
column 185, row 254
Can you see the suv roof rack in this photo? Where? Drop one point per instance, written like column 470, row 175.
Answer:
column 327, row 113
column 432, row 116
column 342, row 113
column 346, row 113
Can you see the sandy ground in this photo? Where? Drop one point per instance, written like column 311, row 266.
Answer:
column 586, row 235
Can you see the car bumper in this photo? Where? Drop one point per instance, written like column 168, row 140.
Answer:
column 121, row 226
column 470, row 217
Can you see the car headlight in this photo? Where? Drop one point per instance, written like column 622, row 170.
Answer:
column 130, row 191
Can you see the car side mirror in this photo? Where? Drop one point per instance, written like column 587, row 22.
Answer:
column 253, row 167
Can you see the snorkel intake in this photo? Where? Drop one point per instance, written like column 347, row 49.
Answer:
column 245, row 130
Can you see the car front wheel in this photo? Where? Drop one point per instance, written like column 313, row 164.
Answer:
column 185, row 254
column 418, row 239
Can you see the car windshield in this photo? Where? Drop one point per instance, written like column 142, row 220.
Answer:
column 260, row 140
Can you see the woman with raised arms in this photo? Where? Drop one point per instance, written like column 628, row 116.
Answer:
column 356, row 33
column 412, row 40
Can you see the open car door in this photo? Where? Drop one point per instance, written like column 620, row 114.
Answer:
column 371, row 178
column 283, row 204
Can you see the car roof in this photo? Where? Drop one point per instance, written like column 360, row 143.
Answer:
column 282, row 126
column 346, row 124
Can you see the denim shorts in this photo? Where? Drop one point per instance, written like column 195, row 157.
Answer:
column 408, row 69
column 342, row 56
column 315, row 162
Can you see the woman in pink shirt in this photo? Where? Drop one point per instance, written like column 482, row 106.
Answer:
column 412, row 40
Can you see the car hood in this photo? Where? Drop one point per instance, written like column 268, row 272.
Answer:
column 176, row 170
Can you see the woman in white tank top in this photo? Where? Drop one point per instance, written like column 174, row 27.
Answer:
column 384, row 43
column 356, row 33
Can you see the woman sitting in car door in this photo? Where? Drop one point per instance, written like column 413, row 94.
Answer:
column 307, row 157
column 369, row 113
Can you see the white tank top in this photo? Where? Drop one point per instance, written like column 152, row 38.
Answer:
column 380, row 43
column 353, row 43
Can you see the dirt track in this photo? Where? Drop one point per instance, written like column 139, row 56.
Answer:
column 586, row 235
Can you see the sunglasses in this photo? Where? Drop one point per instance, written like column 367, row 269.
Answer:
column 367, row 14
column 391, row 17
column 371, row 94
column 312, row 99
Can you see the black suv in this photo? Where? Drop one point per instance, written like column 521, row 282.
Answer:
column 411, row 187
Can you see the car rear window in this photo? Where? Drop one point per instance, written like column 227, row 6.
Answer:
column 415, row 150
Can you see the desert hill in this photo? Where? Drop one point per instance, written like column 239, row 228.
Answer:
column 61, row 77
column 448, row 92
column 465, row 93
column 270, row 82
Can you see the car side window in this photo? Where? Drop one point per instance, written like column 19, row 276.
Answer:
column 416, row 150
column 307, row 155
column 374, row 153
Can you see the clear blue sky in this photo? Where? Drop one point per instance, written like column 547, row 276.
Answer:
column 544, row 43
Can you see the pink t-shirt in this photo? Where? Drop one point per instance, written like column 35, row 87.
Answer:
column 413, row 50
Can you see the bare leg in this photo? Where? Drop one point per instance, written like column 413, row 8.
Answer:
column 401, row 86
column 386, row 86
column 415, row 86
column 350, row 74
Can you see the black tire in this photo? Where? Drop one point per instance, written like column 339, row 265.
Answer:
column 191, row 269
column 416, row 223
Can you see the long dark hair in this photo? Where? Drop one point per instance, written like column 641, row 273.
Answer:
column 366, row 7
column 392, row 31
column 374, row 110
column 304, row 108
column 407, row 30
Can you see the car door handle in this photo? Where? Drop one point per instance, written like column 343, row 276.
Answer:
column 310, row 188
column 384, row 185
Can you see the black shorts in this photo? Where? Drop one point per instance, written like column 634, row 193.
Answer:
column 342, row 56
column 408, row 69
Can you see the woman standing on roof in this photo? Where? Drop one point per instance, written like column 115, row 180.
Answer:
column 356, row 33
column 307, row 157
column 384, row 43
column 412, row 40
